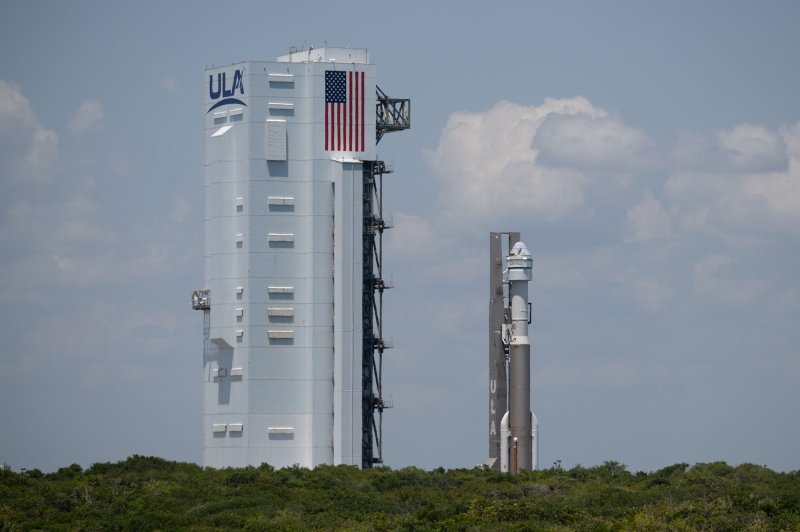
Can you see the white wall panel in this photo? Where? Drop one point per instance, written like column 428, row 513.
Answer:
column 262, row 190
column 278, row 455
column 295, row 376
column 322, row 312
column 232, row 146
column 226, row 456
column 225, row 172
column 283, row 264
column 278, row 396
column 280, row 363
column 225, row 396
column 220, row 198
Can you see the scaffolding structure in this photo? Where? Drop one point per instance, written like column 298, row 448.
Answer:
column 498, row 351
column 392, row 114
column 374, row 343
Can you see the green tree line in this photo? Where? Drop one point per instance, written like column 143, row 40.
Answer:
column 149, row 493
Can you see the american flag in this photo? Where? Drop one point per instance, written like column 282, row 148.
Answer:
column 344, row 110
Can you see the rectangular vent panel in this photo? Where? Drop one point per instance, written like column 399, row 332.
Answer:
column 280, row 289
column 281, row 237
column 281, row 78
column 280, row 200
column 276, row 140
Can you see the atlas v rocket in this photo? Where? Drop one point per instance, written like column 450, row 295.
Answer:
column 513, row 428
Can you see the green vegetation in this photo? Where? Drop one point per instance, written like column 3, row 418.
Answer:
column 148, row 493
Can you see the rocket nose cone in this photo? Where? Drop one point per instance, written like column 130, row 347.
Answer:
column 520, row 249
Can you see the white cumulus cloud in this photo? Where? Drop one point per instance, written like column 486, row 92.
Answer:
column 487, row 163
column 739, row 199
column 781, row 190
column 745, row 148
column 750, row 147
column 648, row 220
column 27, row 149
column 714, row 279
column 593, row 143
column 89, row 114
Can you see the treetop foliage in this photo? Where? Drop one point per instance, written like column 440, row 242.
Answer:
column 145, row 492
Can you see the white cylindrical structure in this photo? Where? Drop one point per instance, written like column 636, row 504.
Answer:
column 284, row 145
column 520, row 273
column 534, row 442
column 504, row 443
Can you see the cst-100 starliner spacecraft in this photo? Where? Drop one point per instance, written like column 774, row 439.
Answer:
column 513, row 428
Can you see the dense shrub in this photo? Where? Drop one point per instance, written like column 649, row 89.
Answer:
column 151, row 493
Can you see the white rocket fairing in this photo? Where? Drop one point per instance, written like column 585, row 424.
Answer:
column 519, row 427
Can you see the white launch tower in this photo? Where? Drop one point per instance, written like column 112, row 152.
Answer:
column 289, row 345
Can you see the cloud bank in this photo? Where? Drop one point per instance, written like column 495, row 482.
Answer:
column 487, row 163
column 543, row 161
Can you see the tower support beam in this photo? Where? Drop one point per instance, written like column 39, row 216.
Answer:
column 373, row 342
column 392, row 114
column 498, row 355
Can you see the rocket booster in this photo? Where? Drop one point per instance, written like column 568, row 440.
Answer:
column 520, row 418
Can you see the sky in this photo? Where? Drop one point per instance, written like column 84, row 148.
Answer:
column 648, row 152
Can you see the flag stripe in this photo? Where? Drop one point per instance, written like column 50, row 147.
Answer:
column 362, row 112
column 355, row 113
column 350, row 112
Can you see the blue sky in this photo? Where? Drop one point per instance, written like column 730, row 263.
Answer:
column 648, row 153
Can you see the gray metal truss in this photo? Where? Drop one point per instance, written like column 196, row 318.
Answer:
column 392, row 114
